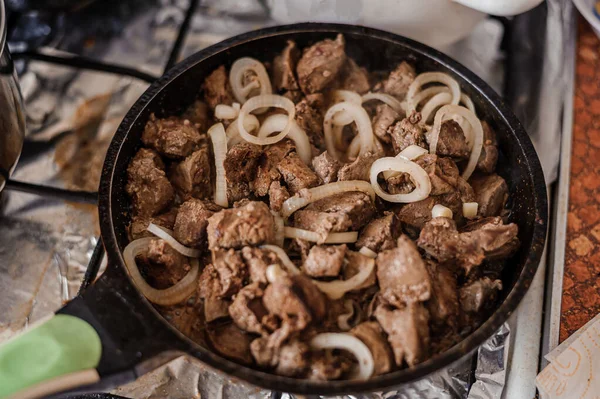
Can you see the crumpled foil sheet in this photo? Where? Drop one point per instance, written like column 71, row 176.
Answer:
column 72, row 115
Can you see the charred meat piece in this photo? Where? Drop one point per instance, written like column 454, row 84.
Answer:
column 407, row 330
column 257, row 261
column 224, row 277
column 326, row 167
column 197, row 114
column 139, row 224
column 267, row 171
column 284, row 66
column 353, row 77
column 296, row 174
column 325, row 260
column 407, row 132
column 147, row 185
column 277, row 196
column 451, row 141
column 251, row 224
column 357, row 262
column 240, row 166
column 320, row 64
column 310, row 119
column 215, row 308
column 477, row 295
column 489, row 151
column 294, row 359
column 247, row 309
column 358, row 169
column 326, row 366
column 416, row 214
column 191, row 222
column 184, row 317
column 217, row 89
column 191, row 177
column 230, row 342
column 172, row 137
column 399, row 80
column 402, row 274
column 491, row 192
column 380, row 234
column 371, row 334
column 164, row 266
column 384, row 117
column 498, row 240
column 443, row 305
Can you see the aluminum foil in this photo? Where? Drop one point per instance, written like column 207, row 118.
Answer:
column 72, row 116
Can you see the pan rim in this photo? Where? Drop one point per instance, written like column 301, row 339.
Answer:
column 390, row 380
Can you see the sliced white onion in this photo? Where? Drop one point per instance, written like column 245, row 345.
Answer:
column 385, row 98
column 466, row 100
column 429, row 92
column 279, row 229
column 285, row 259
column 266, row 100
column 305, row 197
column 223, row 111
column 236, row 107
column 440, row 211
column 344, row 118
column 363, row 125
column 274, row 273
column 343, row 320
column 418, row 176
column 431, row 77
column 251, row 123
column 434, row 103
column 219, row 141
column 368, row 252
column 239, row 68
column 312, row 236
column 167, row 235
column 348, row 342
column 470, row 209
column 169, row 296
column 353, row 148
column 278, row 122
column 477, row 132
column 337, row 288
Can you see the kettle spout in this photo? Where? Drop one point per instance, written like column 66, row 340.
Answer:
column 500, row 7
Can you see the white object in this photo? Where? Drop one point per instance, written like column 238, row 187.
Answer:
column 440, row 211
column 433, row 22
column 586, row 8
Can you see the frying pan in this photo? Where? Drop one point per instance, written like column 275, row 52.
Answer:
column 111, row 334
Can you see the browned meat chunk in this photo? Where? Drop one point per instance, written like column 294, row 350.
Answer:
column 284, row 66
column 247, row 309
column 354, row 78
column 416, row 214
column 173, row 137
column 216, row 88
column 191, row 177
column 326, row 167
column 257, row 261
column 267, row 171
column 443, row 173
column 380, row 234
column 230, row 342
column 320, row 64
column 326, row 366
column 293, row 359
column 357, row 262
column 402, row 274
column 489, row 151
column 192, row 221
column 452, row 141
column 491, row 193
column 370, row 334
column 408, row 132
column 184, row 317
column 296, row 174
column 477, row 295
column 197, row 114
column 139, row 224
column 399, row 80
column 310, row 119
column 277, row 196
column 408, row 332
column 359, row 169
column 215, row 308
column 163, row 265
column 147, row 185
column 240, row 166
column 384, row 117
column 251, row 224
column 324, row 260
column 224, row 277
column 443, row 304
column 499, row 241
column 295, row 300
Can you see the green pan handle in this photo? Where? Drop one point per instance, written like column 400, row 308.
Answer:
column 60, row 353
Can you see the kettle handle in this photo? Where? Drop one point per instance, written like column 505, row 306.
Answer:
column 501, row 8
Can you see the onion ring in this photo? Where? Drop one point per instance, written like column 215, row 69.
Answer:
column 167, row 235
column 386, row 99
column 266, row 100
column 348, row 237
column 363, row 125
column 417, row 173
column 350, row 343
column 236, row 74
column 430, row 77
column 277, row 122
column 285, row 259
column 233, row 134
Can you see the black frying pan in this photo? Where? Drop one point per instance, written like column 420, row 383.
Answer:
column 133, row 334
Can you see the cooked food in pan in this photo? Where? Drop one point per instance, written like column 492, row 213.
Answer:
column 313, row 219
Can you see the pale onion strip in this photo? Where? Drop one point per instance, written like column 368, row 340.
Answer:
column 348, row 342
column 279, row 229
column 274, row 273
column 167, row 235
column 410, row 153
column 223, row 111
column 312, row 236
column 440, row 211
column 363, row 125
column 285, row 259
column 477, row 132
column 386, row 99
column 353, row 148
column 366, row 251
column 343, row 320
column 219, row 141
column 233, row 134
column 470, row 209
column 169, row 296
column 305, row 197
column 344, row 118
column 434, row 103
column 417, row 174
column 240, row 67
column 432, row 77
column 466, row 100
column 429, row 92
column 266, row 100
column 337, row 288
column 276, row 123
